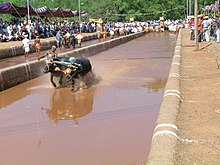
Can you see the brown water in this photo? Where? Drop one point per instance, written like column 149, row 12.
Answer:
column 111, row 123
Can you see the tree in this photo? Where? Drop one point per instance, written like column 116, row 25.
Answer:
column 114, row 10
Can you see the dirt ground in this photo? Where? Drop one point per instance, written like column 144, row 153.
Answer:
column 199, row 114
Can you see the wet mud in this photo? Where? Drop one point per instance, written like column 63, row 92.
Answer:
column 111, row 122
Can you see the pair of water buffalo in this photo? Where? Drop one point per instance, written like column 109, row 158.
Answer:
column 69, row 68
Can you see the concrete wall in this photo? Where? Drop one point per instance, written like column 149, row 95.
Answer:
column 165, row 135
column 18, row 74
column 45, row 44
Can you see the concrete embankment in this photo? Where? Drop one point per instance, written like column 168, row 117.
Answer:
column 16, row 75
column 165, row 136
column 15, row 50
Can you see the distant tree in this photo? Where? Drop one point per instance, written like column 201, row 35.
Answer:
column 114, row 10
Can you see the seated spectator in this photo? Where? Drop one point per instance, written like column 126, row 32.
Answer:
column 4, row 38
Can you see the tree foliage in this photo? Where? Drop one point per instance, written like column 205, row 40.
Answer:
column 121, row 9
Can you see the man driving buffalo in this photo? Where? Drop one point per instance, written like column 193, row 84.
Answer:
column 69, row 67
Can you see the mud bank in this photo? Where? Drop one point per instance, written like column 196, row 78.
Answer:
column 165, row 135
column 16, row 75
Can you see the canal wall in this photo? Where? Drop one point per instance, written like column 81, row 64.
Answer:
column 45, row 45
column 21, row 73
column 165, row 136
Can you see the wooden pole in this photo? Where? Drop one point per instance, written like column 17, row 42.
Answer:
column 29, row 20
column 196, row 25
column 79, row 16
column 187, row 8
column 190, row 7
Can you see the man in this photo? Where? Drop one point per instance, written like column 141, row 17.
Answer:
column 98, row 31
column 37, row 46
column 192, row 28
column 51, row 54
column 200, row 32
column 218, row 29
column 67, row 37
column 79, row 38
column 58, row 38
column 73, row 41
column 26, row 45
column 206, row 24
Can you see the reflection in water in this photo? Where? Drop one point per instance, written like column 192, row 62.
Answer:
column 66, row 105
column 156, row 85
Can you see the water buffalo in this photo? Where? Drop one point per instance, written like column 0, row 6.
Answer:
column 71, row 70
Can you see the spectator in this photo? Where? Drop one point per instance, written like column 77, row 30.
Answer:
column 79, row 38
column 200, row 32
column 58, row 38
column 26, row 45
column 206, row 24
column 192, row 28
column 218, row 30
column 37, row 46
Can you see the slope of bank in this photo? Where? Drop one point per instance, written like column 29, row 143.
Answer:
column 187, row 130
column 199, row 113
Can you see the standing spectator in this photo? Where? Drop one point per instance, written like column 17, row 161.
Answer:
column 200, row 32
column 90, row 28
column 206, row 24
column 58, row 38
column 104, row 30
column 67, row 37
column 37, row 46
column 41, row 30
column 218, row 30
column 9, row 31
column 192, row 28
column 79, row 38
column 112, row 33
column 73, row 41
column 98, row 31
column 26, row 45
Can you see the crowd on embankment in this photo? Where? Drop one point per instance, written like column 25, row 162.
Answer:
column 208, row 27
column 16, row 29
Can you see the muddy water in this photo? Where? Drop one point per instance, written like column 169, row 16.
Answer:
column 109, row 123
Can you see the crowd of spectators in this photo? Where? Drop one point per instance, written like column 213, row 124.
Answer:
column 16, row 29
column 208, row 28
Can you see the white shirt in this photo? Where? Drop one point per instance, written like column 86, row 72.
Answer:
column 79, row 37
column 26, row 42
